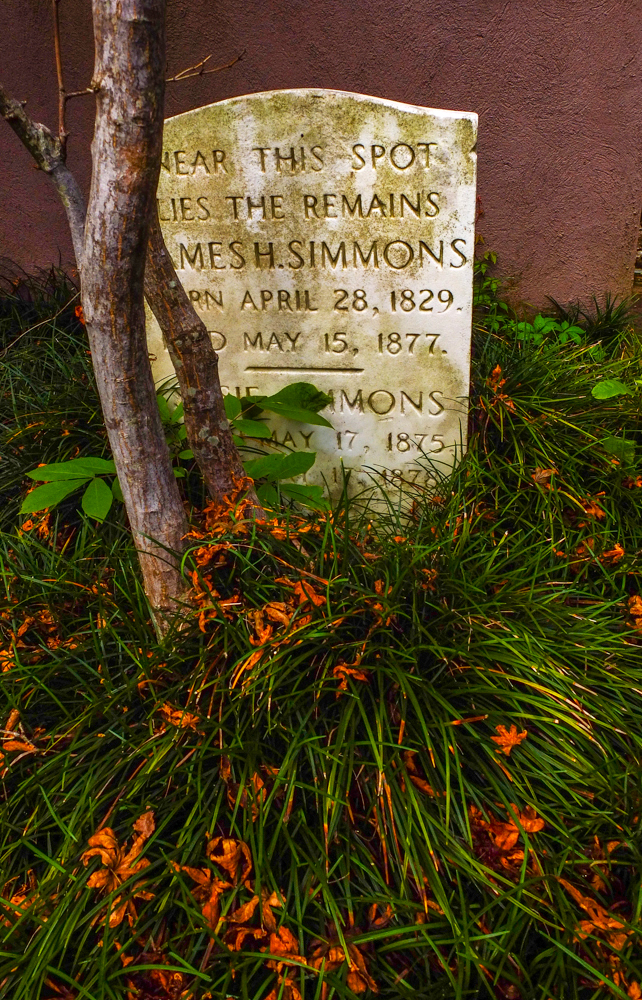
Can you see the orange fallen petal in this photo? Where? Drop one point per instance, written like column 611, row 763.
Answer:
column 508, row 739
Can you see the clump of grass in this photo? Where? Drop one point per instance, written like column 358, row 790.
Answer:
column 401, row 754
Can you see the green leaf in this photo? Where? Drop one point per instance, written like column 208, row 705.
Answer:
column 302, row 395
column 280, row 466
column 576, row 333
column 232, row 406
column 268, row 495
column 291, row 413
column 75, row 468
column 182, row 432
column 116, row 490
column 621, row 448
column 186, row 455
column 299, row 401
column 163, row 406
column 544, row 325
column 610, row 387
column 253, row 428
column 50, row 494
column 309, row 496
column 296, row 463
column 524, row 330
column 180, row 473
column 177, row 413
column 266, row 467
column 97, row 499
column 251, row 407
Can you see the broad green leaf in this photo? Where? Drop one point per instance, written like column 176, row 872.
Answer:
column 163, row 406
column 75, row 468
column 97, row 499
column 296, row 463
column 309, row 496
column 575, row 332
column 251, row 407
column 182, row 432
column 186, row 455
column 177, row 413
column 266, row 467
column 300, row 396
column 116, row 490
column 232, row 406
column 610, row 387
column 50, row 494
column 238, row 441
column 280, row 466
column 299, row 401
column 292, row 413
column 180, row 473
column 621, row 448
column 571, row 333
column 253, row 428
column 268, row 495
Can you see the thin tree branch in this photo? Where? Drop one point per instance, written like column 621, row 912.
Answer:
column 81, row 93
column 199, row 68
column 185, row 74
column 49, row 154
column 62, row 97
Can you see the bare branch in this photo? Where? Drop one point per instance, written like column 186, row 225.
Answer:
column 81, row 93
column 199, row 68
column 62, row 97
column 185, row 74
column 48, row 152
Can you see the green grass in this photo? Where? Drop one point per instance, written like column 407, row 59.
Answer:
column 382, row 814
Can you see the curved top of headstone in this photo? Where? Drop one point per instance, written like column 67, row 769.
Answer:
column 344, row 114
column 319, row 93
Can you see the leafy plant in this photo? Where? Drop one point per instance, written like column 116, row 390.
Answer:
column 606, row 388
column 300, row 401
column 548, row 332
column 491, row 311
column 61, row 479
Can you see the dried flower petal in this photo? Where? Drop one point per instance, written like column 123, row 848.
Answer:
column 508, row 739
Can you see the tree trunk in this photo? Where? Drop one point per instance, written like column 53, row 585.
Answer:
column 196, row 364
column 129, row 81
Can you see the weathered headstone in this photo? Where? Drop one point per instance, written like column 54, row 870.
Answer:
column 328, row 237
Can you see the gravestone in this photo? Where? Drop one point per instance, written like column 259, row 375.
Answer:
column 328, row 237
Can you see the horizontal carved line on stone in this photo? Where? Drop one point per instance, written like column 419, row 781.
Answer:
column 283, row 368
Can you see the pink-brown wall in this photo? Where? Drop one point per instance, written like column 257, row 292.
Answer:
column 557, row 85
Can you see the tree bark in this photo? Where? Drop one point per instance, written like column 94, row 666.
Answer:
column 196, row 364
column 110, row 250
column 129, row 83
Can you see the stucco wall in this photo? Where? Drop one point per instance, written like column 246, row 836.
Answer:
column 557, row 87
